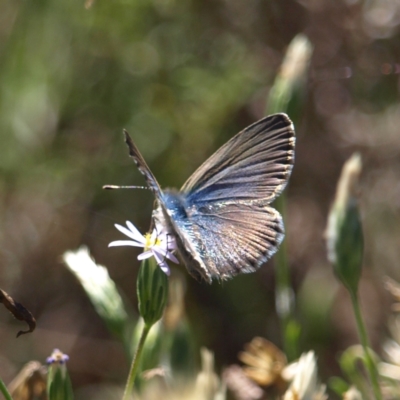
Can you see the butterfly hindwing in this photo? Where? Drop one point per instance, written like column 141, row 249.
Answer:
column 231, row 238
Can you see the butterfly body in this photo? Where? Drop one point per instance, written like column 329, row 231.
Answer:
column 221, row 217
column 174, row 212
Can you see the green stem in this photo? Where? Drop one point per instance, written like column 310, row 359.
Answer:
column 283, row 287
column 135, row 363
column 284, row 297
column 3, row 389
column 370, row 364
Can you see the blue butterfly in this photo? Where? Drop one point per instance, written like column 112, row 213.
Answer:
column 221, row 218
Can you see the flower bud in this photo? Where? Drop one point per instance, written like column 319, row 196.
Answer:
column 100, row 288
column 289, row 85
column 58, row 382
column 344, row 231
column 152, row 290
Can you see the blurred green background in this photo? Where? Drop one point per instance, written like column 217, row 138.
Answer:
column 183, row 77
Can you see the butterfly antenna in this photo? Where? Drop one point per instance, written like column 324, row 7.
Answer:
column 111, row 187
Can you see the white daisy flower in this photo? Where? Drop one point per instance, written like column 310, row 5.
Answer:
column 160, row 244
column 305, row 384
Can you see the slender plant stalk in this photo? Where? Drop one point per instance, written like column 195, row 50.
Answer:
column 283, row 294
column 135, row 363
column 287, row 91
column 283, row 284
column 370, row 364
column 4, row 391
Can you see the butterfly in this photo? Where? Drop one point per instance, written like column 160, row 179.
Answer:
column 221, row 218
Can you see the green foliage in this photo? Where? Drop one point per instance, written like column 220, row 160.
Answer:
column 152, row 290
column 101, row 290
column 289, row 88
column 349, row 246
column 349, row 363
column 289, row 85
column 183, row 76
column 344, row 234
column 4, row 391
column 58, row 383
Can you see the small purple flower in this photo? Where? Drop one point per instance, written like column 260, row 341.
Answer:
column 57, row 357
column 160, row 244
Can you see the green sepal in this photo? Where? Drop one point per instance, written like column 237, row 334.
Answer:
column 152, row 291
column 59, row 384
column 349, row 247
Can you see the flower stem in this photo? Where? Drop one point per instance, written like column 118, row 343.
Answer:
column 284, row 296
column 4, row 391
column 370, row 363
column 136, row 362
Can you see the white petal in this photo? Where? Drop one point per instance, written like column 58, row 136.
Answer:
column 165, row 268
column 145, row 255
column 124, row 243
column 133, row 229
column 153, row 236
column 172, row 257
column 159, row 251
column 132, row 232
column 161, row 262
column 165, row 253
column 160, row 257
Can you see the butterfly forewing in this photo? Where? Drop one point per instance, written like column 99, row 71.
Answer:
column 142, row 166
column 254, row 166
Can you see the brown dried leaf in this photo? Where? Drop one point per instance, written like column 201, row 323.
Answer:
column 30, row 383
column 19, row 312
column 263, row 361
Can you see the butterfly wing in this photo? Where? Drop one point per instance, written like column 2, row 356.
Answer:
column 254, row 166
column 222, row 240
column 228, row 223
column 237, row 238
column 221, row 216
column 142, row 166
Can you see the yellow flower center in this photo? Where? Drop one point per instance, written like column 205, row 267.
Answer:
column 150, row 242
